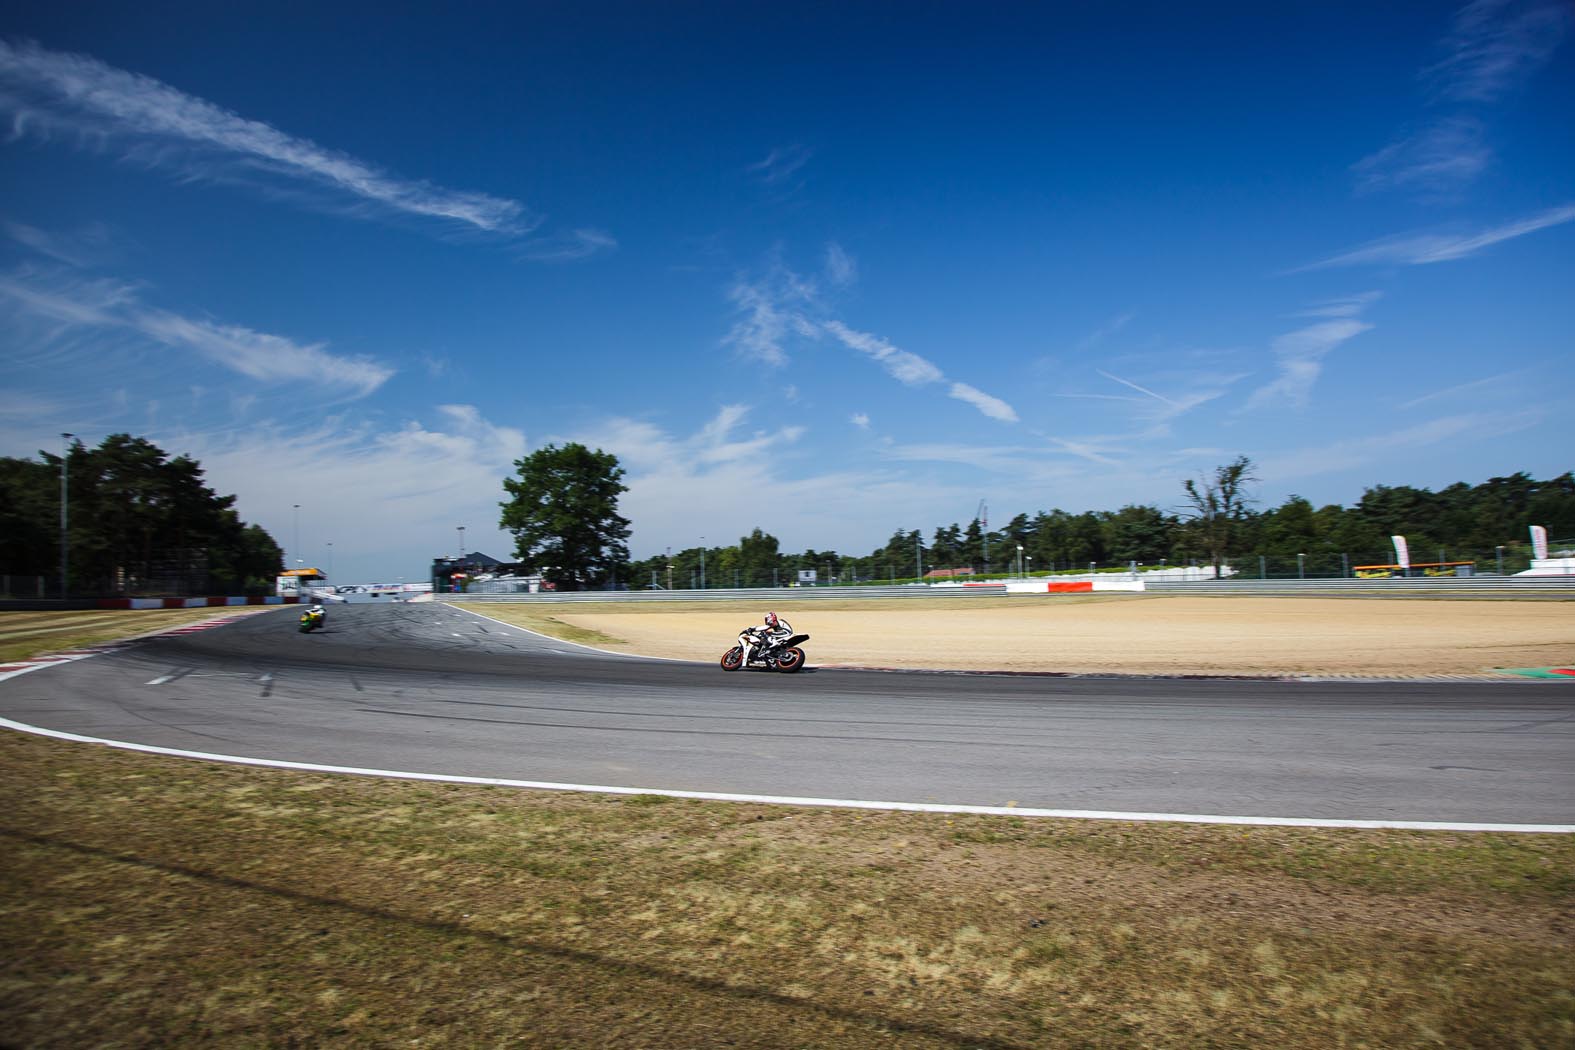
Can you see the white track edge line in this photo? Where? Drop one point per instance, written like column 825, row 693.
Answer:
column 579, row 645
column 793, row 800
column 779, row 800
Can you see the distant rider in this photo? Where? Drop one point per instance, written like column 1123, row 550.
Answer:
column 774, row 630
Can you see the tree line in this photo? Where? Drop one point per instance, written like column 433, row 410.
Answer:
column 143, row 522
column 138, row 522
column 1214, row 521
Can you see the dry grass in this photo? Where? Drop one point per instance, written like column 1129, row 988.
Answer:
column 155, row 901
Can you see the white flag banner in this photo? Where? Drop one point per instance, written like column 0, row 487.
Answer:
column 1402, row 552
column 1539, row 542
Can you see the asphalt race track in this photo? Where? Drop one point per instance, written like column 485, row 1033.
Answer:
column 427, row 688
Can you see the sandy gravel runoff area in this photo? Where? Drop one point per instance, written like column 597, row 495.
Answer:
column 1121, row 634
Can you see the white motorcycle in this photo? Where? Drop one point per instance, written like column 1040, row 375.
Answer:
column 784, row 655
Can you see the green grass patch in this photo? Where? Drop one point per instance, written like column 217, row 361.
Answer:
column 159, row 901
column 543, row 623
column 25, row 634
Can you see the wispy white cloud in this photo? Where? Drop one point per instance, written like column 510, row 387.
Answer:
column 781, row 164
column 841, row 270
column 1437, row 161
column 566, row 247
column 388, row 497
column 1347, row 306
column 1157, row 410
column 1460, row 431
column 1495, row 45
column 717, row 444
column 67, row 299
column 776, row 306
column 1103, row 332
column 783, row 305
column 1514, row 383
column 1009, row 460
column 1092, row 451
column 907, row 368
column 993, row 407
column 912, row 370
column 79, row 248
column 261, row 356
column 63, row 302
column 1299, row 356
column 44, row 91
column 1422, row 249
column 860, row 420
column 1142, row 390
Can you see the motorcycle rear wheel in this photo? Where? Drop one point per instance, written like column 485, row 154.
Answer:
column 790, row 660
column 733, row 659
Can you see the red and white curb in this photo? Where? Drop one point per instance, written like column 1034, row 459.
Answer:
column 33, row 663
column 65, row 656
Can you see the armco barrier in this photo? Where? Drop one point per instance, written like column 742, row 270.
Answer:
column 1558, row 587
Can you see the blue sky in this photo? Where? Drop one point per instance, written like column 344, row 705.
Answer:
column 829, row 270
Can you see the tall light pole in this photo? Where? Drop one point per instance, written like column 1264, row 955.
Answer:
column 1019, row 559
column 918, row 555
column 1301, row 566
column 462, row 543
column 330, row 561
column 297, row 550
column 702, row 563
column 65, row 542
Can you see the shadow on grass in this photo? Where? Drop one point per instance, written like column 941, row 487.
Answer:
column 584, row 958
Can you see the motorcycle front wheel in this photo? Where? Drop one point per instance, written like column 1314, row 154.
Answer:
column 790, row 660
column 733, row 659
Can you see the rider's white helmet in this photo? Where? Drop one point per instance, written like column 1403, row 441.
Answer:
column 771, row 619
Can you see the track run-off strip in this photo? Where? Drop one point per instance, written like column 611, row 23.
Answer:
column 39, row 663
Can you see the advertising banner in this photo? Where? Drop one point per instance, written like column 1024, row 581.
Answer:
column 806, row 576
column 1402, row 553
column 1539, row 542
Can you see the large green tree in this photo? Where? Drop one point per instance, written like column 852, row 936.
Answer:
column 29, row 517
column 140, row 523
column 563, row 512
column 759, row 559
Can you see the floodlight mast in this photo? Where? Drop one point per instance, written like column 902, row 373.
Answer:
column 65, row 535
column 983, row 515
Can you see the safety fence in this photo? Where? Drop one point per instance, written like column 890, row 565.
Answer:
column 1389, row 587
column 23, row 586
column 1400, row 587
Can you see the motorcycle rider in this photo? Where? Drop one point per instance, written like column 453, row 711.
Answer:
column 774, row 630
